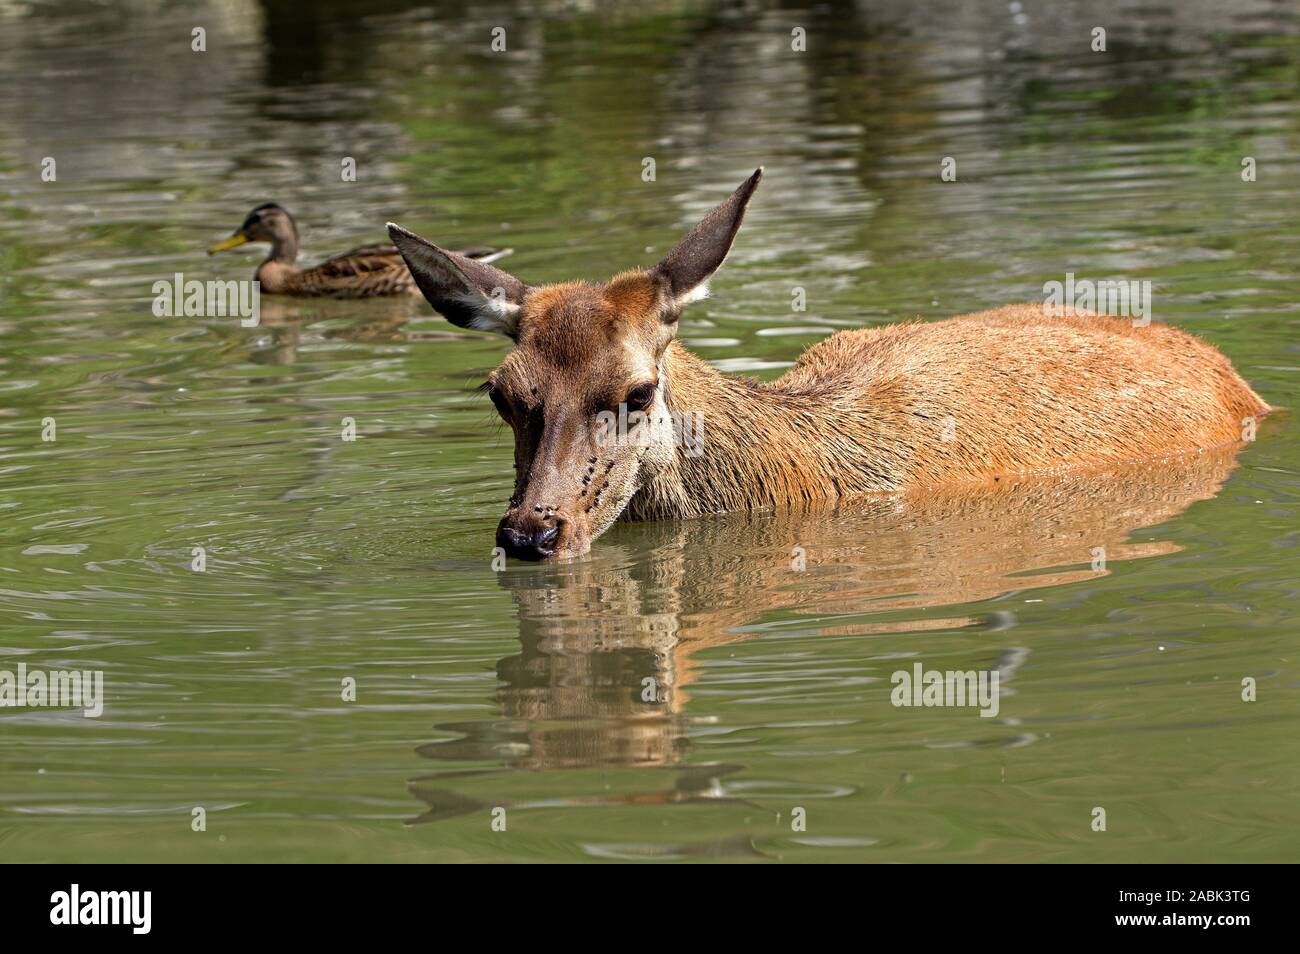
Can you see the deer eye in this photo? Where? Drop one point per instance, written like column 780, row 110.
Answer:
column 640, row 397
column 499, row 399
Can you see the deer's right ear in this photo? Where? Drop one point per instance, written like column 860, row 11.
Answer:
column 467, row 292
column 686, row 270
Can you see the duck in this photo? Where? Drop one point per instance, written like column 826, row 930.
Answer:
column 371, row 271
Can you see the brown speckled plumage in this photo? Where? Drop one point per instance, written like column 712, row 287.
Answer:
column 371, row 271
column 367, row 272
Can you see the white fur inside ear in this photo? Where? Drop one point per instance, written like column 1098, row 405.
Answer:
column 490, row 313
column 698, row 293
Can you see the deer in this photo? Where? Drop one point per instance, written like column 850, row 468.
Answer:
column 907, row 410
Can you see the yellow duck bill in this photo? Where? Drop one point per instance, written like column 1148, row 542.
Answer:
column 236, row 240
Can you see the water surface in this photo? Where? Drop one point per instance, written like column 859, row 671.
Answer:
column 526, row 689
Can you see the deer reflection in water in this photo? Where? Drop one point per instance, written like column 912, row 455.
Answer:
column 610, row 647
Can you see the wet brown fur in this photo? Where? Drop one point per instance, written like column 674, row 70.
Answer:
column 1016, row 391
column 861, row 412
column 918, row 409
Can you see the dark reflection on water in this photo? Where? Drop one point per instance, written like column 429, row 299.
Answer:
column 608, row 652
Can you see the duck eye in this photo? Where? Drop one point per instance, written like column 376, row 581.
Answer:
column 640, row 397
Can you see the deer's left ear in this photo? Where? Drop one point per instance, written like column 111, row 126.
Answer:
column 469, row 293
column 685, row 271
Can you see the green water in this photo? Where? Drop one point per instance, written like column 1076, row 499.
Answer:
column 369, row 560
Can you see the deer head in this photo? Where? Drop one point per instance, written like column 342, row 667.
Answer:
column 583, row 389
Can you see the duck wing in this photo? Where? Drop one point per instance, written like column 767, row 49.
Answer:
column 370, row 271
column 366, row 272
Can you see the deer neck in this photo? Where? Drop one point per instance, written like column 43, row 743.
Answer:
column 752, row 445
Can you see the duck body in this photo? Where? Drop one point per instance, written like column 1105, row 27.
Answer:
column 370, row 271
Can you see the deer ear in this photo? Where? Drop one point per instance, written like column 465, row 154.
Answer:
column 685, row 270
column 467, row 292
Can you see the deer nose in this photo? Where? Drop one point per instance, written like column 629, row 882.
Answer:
column 527, row 545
